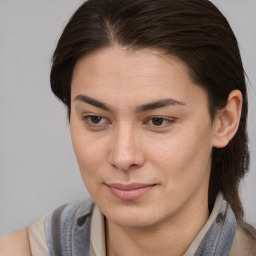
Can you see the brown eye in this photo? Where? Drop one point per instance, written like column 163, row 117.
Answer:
column 95, row 119
column 96, row 122
column 157, row 121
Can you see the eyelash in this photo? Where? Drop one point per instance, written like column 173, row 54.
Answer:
column 167, row 121
column 88, row 120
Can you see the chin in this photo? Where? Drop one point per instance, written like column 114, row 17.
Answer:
column 132, row 222
column 133, row 217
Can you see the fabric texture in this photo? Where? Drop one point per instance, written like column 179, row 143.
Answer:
column 243, row 244
column 78, row 229
column 68, row 229
column 97, row 239
column 37, row 238
column 219, row 238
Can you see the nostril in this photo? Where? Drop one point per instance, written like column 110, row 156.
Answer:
column 127, row 163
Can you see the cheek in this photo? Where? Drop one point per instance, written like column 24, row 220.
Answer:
column 89, row 159
column 183, row 155
column 88, row 151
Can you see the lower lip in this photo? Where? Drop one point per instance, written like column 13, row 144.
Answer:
column 130, row 194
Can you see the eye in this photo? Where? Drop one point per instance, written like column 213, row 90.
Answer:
column 158, row 121
column 95, row 120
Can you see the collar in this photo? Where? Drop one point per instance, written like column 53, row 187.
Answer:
column 215, row 238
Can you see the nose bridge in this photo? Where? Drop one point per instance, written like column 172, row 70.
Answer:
column 125, row 148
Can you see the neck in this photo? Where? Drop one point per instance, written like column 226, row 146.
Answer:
column 171, row 237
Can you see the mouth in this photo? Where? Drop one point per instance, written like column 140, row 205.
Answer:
column 130, row 191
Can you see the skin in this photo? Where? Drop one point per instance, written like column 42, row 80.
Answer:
column 121, row 135
column 15, row 244
column 117, row 140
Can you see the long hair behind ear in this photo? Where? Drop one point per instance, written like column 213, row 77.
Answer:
column 197, row 33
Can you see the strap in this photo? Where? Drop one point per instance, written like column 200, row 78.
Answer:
column 68, row 229
column 37, row 238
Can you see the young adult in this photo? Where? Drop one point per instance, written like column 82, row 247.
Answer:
column 157, row 103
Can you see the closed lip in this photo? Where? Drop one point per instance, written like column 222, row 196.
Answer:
column 129, row 192
column 129, row 186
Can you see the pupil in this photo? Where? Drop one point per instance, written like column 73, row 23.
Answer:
column 157, row 121
column 95, row 119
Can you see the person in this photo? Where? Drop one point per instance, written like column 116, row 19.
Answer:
column 157, row 103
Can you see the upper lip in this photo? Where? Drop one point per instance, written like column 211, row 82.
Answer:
column 129, row 186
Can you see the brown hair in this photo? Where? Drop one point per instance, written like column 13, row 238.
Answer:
column 196, row 32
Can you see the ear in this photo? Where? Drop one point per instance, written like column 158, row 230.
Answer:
column 227, row 120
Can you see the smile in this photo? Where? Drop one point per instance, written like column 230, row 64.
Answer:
column 129, row 192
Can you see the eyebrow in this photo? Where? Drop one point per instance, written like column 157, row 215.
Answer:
column 141, row 108
column 159, row 104
column 93, row 102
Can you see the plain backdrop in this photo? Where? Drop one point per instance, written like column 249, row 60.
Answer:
column 38, row 169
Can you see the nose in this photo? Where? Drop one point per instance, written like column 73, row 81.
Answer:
column 125, row 148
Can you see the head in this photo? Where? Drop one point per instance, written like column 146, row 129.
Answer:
column 189, row 32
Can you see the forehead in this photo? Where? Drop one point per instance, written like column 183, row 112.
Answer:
column 122, row 75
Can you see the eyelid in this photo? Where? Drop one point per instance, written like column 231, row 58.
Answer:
column 86, row 119
column 169, row 121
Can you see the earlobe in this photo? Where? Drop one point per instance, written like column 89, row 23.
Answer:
column 227, row 120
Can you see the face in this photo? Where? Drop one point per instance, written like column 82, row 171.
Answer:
column 142, row 135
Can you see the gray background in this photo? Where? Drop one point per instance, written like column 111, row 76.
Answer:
column 38, row 169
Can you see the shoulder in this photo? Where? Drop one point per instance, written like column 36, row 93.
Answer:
column 59, row 229
column 37, row 238
column 16, row 243
column 244, row 242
